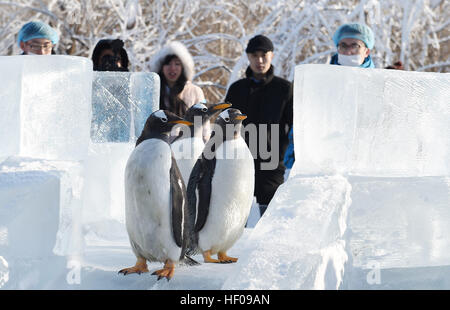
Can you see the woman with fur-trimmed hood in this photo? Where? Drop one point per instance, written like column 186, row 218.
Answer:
column 175, row 67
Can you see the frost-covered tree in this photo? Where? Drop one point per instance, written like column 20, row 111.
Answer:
column 216, row 32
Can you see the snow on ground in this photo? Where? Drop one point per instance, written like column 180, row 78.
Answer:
column 104, row 258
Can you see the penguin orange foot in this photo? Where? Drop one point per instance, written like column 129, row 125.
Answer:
column 224, row 259
column 208, row 259
column 140, row 267
column 167, row 272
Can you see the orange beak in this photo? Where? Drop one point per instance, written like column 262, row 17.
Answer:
column 181, row 121
column 222, row 106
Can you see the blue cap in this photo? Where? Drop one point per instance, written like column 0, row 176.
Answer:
column 355, row 31
column 37, row 30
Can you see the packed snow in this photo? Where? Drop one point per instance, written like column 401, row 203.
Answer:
column 366, row 205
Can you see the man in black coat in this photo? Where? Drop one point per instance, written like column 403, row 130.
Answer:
column 266, row 99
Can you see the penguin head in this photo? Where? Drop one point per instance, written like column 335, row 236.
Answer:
column 162, row 121
column 159, row 125
column 197, row 110
column 204, row 111
column 230, row 118
column 215, row 109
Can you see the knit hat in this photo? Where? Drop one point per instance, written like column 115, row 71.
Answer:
column 355, row 31
column 37, row 30
column 259, row 43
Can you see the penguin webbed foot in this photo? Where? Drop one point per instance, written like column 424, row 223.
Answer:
column 225, row 259
column 130, row 270
column 139, row 267
column 162, row 274
column 222, row 258
column 167, row 272
column 208, row 259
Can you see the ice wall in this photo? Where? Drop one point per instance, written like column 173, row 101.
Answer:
column 30, row 225
column 104, row 190
column 53, row 107
column 46, row 106
column 121, row 103
column 400, row 222
column 367, row 203
column 371, row 122
column 61, row 167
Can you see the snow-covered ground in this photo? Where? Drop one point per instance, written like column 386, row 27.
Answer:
column 366, row 205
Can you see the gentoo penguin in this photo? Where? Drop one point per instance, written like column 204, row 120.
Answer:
column 222, row 181
column 158, row 221
column 189, row 146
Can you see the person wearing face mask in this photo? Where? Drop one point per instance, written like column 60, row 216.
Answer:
column 110, row 55
column 354, row 43
column 37, row 38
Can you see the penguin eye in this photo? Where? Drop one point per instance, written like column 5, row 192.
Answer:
column 164, row 120
column 204, row 110
column 227, row 119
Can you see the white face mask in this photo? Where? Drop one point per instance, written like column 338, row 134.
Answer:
column 33, row 54
column 350, row 60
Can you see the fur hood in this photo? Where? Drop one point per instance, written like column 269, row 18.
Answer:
column 181, row 51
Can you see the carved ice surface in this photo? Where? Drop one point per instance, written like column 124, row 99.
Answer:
column 371, row 122
column 121, row 103
column 46, row 106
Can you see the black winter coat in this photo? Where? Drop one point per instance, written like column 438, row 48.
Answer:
column 266, row 102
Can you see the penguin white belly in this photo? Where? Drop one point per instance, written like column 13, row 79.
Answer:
column 186, row 152
column 148, row 202
column 231, row 198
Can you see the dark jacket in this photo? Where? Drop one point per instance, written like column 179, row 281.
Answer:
column 268, row 101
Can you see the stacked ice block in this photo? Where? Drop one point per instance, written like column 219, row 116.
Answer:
column 371, row 122
column 44, row 125
column 66, row 133
column 121, row 103
column 368, row 198
column 46, row 106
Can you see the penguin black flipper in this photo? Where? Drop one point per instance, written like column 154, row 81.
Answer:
column 200, row 179
column 178, row 198
column 181, row 215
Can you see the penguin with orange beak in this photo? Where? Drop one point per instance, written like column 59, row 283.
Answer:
column 158, row 220
column 187, row 149
column 220, row 188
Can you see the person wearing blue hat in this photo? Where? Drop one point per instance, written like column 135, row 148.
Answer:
column 37, row 38
column 354, row 43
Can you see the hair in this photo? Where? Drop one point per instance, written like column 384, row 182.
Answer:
column 397, row 66
column 176, row 104
column 115, row 45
